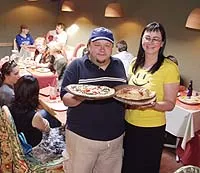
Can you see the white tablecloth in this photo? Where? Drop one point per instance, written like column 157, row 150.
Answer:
column 183, row 122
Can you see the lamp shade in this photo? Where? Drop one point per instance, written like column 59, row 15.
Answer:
column 193, row 20
column 114, row 10
column 68, row 6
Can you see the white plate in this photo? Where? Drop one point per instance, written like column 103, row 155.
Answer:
column 59, row 106
column 92, row 88
column 43, row 70
column 193, row 100
column 137, row 103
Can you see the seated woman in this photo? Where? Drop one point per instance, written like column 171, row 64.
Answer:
column 24, row 110
column 8, row 77
column 54, row 58
column 40, row 52
column 28, row 119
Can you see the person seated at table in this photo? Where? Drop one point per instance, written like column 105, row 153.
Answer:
column 24, row 38
column 44, row 57
column 25, row 43
column 56, row 36
column 8, row 77
column 56, row 42
column 24, row 109
column 41, row 50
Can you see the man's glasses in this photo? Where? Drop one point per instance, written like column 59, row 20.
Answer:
column 152, row 40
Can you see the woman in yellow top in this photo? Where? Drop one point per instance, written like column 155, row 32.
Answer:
column 145, row 125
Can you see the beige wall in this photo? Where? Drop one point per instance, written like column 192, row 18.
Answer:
column 43, row 15
column 39, row 16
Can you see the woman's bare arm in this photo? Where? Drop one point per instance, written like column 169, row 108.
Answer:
column 40, row 123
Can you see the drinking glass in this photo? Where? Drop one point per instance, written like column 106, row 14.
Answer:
column 52, row 93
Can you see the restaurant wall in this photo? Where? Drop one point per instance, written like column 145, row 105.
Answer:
column 41, row 16
column 183, row 43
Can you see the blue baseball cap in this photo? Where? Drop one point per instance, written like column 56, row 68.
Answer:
column 101, row 34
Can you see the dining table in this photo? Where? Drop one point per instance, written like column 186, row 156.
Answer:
column 54, row 106
column 45, row 77
column 184, row 123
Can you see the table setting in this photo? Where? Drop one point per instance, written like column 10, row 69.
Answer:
column 50, row 100
column 188, row 102
column 50, row 96
column 184, row 122
column 40, row 71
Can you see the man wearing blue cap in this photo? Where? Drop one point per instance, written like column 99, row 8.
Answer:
column 95, row 128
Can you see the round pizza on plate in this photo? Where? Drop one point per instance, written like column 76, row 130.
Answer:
column 134, row 93
column 91, row 91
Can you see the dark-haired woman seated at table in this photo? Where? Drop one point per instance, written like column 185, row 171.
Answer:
column 24, row 110
column 47, row 142
column 8, row 77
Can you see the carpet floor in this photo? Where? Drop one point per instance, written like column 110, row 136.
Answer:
column 168, row 161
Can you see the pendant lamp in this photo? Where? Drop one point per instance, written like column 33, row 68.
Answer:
column 114, row 9
column 68, row 6
column 193, row 20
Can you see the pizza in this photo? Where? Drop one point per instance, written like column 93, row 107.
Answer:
column 91, row 91
column 134, row 93
column 190, row 100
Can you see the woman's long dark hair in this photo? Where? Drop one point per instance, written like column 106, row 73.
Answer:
column 152, row 27
column 26, row 93
column 6, row 69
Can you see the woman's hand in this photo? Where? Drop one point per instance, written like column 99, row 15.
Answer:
column 150, row 105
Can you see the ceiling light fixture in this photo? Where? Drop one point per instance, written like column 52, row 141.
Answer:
column 114, row 9
column 68, row 6
column 193, row 20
